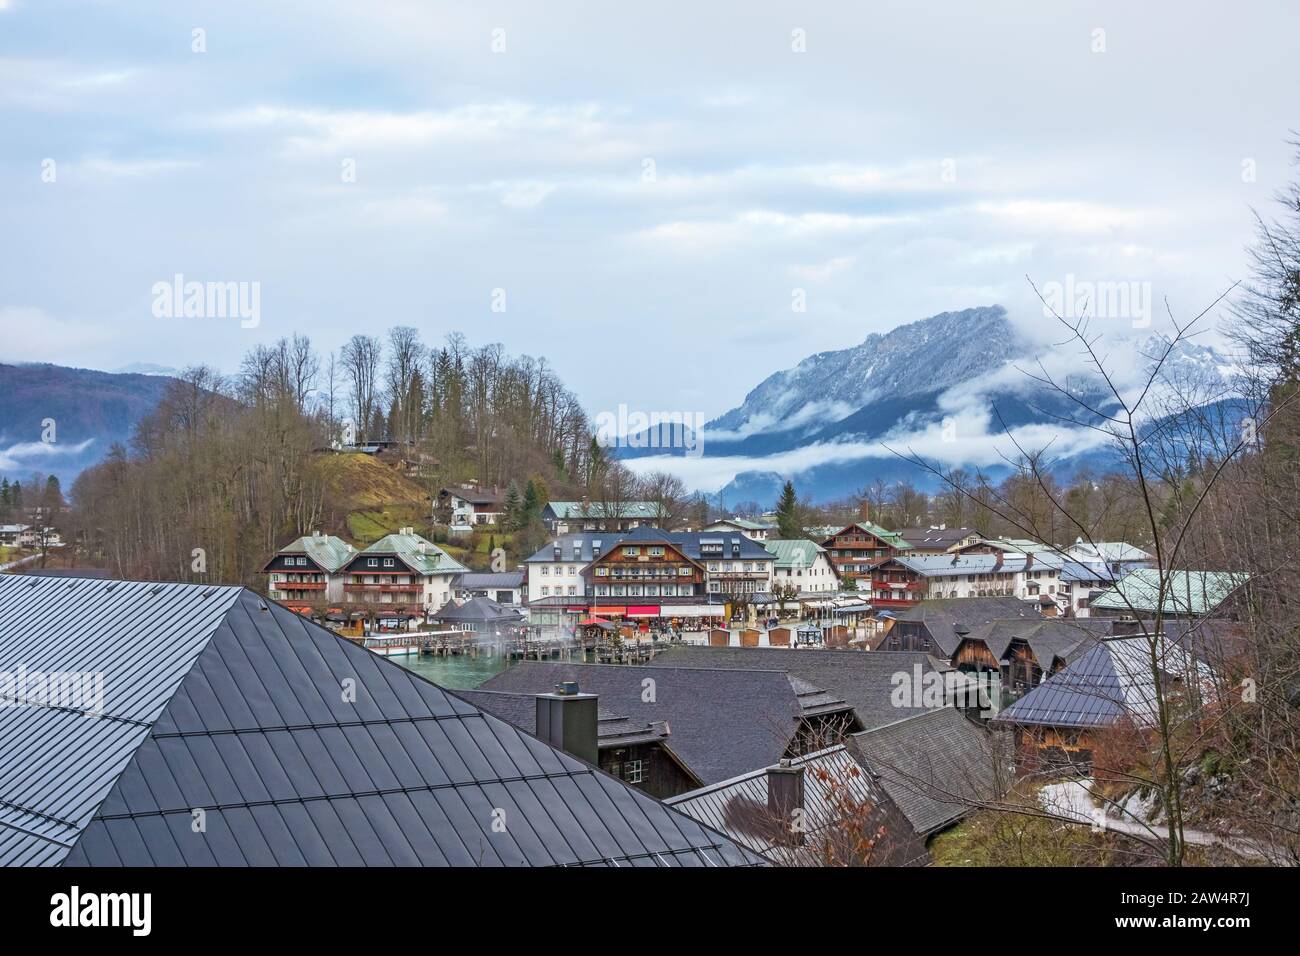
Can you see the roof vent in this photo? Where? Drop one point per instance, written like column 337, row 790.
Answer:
column 567, row 688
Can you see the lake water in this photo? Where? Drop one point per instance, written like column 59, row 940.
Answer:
column 454, row 671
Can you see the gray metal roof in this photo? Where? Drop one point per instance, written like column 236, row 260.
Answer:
column 937, row 767
column 58, row 762
column 220, row 701
column 837, row 788
column 865, row 680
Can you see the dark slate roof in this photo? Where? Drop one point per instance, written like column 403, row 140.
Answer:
column 938, row 766
column 836, row 786
column 734, row 544
column 574, row 548
column 484, row 580
column 1111, row 682
column 478, row 610
column 941, row 616
column 863, row 679
column 930, row 538
column 723, row 722
column 221, row 701
column 1048, row 638
column 611, row 729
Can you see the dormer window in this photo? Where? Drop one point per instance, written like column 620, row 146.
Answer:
column 388, row 562
column 372, row 562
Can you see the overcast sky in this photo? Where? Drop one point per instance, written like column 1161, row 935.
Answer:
column 649, row 183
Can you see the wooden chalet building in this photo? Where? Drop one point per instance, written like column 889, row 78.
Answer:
column 307, row 574
column 402, row 572
column 1108, row 688
column 938, row 539
column 858, row 549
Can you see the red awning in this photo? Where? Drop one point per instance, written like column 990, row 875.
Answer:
column 643, row 610
column 591, row 621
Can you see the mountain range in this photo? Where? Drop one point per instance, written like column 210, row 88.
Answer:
column 59, row 421
column 947, row 388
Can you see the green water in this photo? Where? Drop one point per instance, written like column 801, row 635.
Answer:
column 457, row 672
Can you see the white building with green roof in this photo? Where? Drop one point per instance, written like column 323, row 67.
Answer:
column 309, row 570
column 802, row 563
column 404, row 570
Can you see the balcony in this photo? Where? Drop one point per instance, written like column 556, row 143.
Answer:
column 298, row 586
column 385, row 588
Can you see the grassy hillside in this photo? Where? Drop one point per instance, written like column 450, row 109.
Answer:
column 366, row 499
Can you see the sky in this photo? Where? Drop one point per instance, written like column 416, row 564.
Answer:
column 638, row 193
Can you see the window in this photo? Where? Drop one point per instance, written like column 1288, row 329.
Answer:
column 655, row 552
column 388, row 562
column 633, row 772
column 572, row 590
column 545, row 570
column 631, row 552
column 545, row 590
column 372, row 562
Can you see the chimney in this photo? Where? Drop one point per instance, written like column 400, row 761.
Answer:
column 1029, row 560
column 784, row 797
column 316, row 534
column 566, row 719
column 864, row 510
column 1125, row 626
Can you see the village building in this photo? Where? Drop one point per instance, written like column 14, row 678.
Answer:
column 280, row 767
column 905, row 580
column 724, row 722
column 1116, row 557
column 404, row 570
column 308, row 571
column 803, row 565
column 1023, row 652
column 504, row 587
column 758, row 530
column 481, row 616
column 1080, row 584
column 1110, row 687
column 1187, row 594
column 566, row 517
column 857, row 550
column 937, row 767
column 470, row 507
column 937, row 626
column 844, row 814
column 637, row 752
column 938, row 539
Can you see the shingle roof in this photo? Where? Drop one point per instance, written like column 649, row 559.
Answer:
column 1186, row 592
column 724, row 722
column 865, row 680
column 941, row 616
column 1048, row 638
column 219, row 701
column 1110, row 682
column 937, row 767
column 837, row 788
column 416, row 552
column 612, row 730
column 329, row 552
column 1109, row 551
